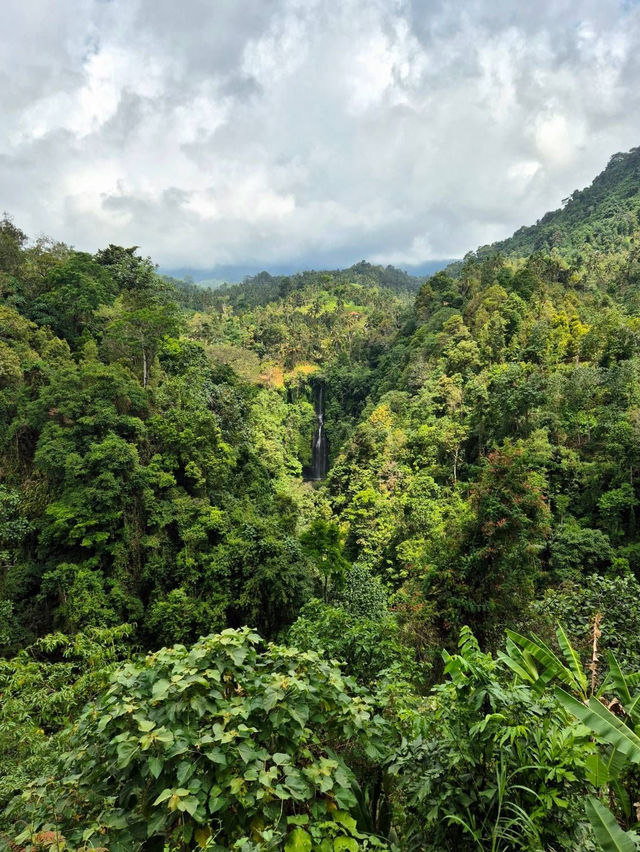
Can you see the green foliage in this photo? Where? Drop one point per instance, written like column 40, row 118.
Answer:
column 575, row 606
column 322, row 543
column 43, row 688
column 609, row 835
column 536, row 664
column 484, row 453
column 576, row 551
column 533, row 662
column 489, row 764
column 362, row 594
column 371, row 648
column 230, row 739
column 599, row 217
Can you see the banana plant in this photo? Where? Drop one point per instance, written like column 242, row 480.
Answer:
column 609, row 836
column 535, row 663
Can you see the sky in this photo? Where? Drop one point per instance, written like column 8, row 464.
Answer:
column 307, row 133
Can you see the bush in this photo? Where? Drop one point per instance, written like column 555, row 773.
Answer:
column 574, row 606
column 371, row 647
column 490, row 764
column 363, row 594
column 232, row 742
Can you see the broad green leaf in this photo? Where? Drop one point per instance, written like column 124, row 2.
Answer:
column 190, row 805
column 115, row 820
column 618, row 680
column 246, row 752
column 298, row 841
column 609, row 836
column 160, row 688
column 155, row 766
column 216, row 803
column 624, row 800
column 573, row 661
column 300, row 819
column 604, row 724
column 551, row 665
column 126, row 750
column 345, row 819
column 345, row 843
column 104, row 721
column 215, row 755
column 157, row 822
column 166, row 794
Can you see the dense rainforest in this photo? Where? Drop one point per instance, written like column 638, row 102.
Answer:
column 425, row 638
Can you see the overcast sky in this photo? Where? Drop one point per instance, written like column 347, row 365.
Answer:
column 310, row 132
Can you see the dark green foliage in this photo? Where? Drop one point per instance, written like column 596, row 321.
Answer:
column 71, row 297
column 575, row 605
column 574, row 550
column 372, row 648
column 44, row 687
column 491, row 765
column 322, row 543
column 363, row 594
column 232, row 740
column 484, row 470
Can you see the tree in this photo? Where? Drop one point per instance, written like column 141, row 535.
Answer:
column 147, row 312
column 74, row 292
column 506, row 539
column 322, row 542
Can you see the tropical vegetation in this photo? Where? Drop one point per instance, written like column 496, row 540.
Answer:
column 436, row 647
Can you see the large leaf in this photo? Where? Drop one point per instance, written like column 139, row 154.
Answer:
column 621, row 685
column 536, row 658
column 573, row 661
column 609, row 836
column 603, row 769
column 618, row 681
column 604, row 724
column 298, row 840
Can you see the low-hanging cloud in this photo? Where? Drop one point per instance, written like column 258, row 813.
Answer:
column 307, row 131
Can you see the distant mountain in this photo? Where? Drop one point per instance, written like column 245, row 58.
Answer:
column 601, row 217
column 216, row 276
column 263, row 288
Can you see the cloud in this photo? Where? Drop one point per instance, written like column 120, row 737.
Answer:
column 308, row 131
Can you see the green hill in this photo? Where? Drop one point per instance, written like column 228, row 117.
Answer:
column 601, row 217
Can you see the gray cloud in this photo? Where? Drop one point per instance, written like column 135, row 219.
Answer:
column 308, row 131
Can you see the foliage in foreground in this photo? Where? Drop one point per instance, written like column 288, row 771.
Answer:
column 489, row 763
column 231, row 743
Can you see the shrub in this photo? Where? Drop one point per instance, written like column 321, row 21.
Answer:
column 231, row 743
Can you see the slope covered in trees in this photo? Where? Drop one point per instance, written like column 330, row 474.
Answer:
column 601, row 217
column 483, row 429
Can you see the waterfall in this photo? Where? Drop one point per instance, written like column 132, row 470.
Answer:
column 319, row 444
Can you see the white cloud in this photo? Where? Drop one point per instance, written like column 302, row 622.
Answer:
column 308, row 131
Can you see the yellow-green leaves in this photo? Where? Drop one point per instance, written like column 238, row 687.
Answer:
column 298, row 840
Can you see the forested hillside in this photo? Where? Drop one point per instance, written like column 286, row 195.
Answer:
column 435, row 647
column 601, row 217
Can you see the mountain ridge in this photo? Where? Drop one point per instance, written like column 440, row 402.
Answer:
column 585, row 220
